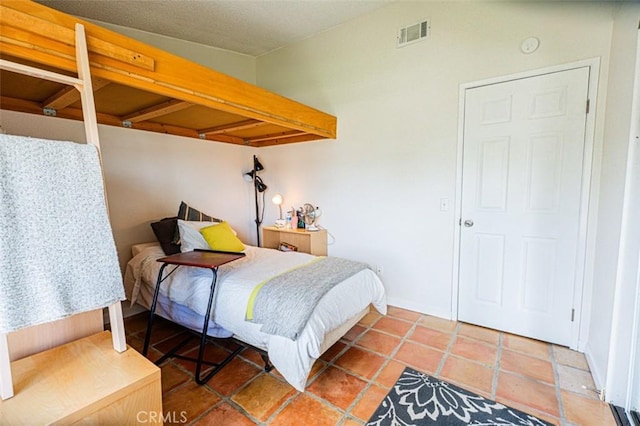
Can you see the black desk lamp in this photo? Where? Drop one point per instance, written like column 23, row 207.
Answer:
column 258, row 186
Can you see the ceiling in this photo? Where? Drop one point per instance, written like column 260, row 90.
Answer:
column 252, row 27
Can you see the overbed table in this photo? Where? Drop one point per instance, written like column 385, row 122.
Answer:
column 208, row 259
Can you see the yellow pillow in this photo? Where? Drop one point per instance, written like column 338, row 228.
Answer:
column 221, row 237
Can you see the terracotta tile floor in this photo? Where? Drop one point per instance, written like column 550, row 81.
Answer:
column 350, row 380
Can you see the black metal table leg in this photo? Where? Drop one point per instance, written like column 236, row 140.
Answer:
column 156, row 292
column 203, row 338
column 179, row 260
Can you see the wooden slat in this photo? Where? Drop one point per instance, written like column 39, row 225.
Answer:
column 69, row 95
column 295, row 139
column 19, row 19
column 6, row 377
column 233, row 127
column 36, row 42
column 116, row 52
column 86, row 91
column 15, row 18
column 157, row 110
column 38, row 73
column 21, row 105
column 118, row 338
column 279, row 135
column 225, row 138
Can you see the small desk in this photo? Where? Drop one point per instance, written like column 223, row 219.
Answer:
column 199, row 259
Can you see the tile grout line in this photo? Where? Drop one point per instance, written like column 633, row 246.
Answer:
column 388, row 359
column 447, row 351
column 496, row 371
column 223, row 398
column 556, row 378
column 346, row 415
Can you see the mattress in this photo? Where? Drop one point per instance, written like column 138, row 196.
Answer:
column 184, row 295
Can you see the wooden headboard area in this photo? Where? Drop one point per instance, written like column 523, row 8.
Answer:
column 141, row 87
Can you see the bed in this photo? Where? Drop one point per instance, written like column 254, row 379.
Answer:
column 141, row 87
column 184, row 294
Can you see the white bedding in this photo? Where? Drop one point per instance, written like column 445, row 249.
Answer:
column 190, row 287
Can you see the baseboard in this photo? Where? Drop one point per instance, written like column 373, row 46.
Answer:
column 419, row 307
column 598, row 377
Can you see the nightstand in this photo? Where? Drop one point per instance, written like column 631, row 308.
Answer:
column 312, row 242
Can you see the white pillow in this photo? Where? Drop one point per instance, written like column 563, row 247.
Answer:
column 190, row 236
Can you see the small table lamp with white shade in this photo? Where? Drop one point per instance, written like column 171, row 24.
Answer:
column 277, row 200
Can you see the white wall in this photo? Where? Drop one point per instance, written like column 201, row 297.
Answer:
column 612, row 185
column 380, row 183
column 623, row 132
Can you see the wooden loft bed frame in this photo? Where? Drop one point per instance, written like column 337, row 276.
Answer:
column 43, row 336
column 142, row 87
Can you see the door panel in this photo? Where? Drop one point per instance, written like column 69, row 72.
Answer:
column 543, row 173
column 489, row 266
column 493, row 170
column 521, row 185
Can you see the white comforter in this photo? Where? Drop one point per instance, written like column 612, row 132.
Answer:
column 293, row 359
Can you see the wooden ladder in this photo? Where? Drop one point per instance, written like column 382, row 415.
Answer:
column 84, row 86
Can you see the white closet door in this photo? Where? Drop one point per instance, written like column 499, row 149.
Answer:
column 522, row 179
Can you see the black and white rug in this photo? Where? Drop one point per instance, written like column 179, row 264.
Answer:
column 419, row 399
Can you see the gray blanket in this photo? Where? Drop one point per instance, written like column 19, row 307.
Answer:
column 284, row 304
column 57, row 255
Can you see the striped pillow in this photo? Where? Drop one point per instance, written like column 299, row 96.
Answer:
column 188, row 213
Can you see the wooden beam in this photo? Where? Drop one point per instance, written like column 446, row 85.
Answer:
column 295, row 139
column 69, row 95
column 46, row 28
column 163, row 108
column 226, row 128
column 279, row 135
column 21, row 105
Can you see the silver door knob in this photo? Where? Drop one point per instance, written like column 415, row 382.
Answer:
column 468, row 223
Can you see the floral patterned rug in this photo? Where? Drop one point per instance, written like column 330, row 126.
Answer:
column 419, row 399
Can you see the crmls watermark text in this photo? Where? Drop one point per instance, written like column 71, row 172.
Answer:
column 156, row 417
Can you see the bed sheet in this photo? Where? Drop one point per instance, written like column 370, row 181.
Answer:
column 189, row 287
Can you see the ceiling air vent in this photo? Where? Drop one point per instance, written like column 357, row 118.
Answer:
column 413, row 33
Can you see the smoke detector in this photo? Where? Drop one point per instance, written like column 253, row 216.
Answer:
column 414, row 33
